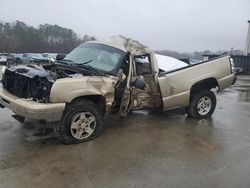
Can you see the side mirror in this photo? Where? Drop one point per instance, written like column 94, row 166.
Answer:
column 138, row 83
column 60, row 57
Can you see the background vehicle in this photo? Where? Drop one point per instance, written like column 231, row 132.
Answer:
column 33, row 57
column 15, row 58
column 114, row 77
column 50, row 56
column 3, row 59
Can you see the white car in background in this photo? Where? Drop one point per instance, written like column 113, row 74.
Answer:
column 3, row 58
column 3, row 61
column 50, row 56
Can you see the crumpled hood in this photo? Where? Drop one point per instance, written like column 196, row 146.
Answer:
column 30, row 71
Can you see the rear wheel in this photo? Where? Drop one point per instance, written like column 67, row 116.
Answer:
column 81, row 122
column 202, row 104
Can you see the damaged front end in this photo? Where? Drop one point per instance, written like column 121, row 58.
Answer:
column 25, row 90
column 34, row 82
column 31, row 82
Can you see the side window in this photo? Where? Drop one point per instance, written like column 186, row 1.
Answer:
column 143, row 65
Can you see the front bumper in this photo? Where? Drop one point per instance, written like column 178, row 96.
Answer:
column 31, row 109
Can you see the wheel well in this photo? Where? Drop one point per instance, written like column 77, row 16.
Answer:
column 99, row 100
column 205, row 84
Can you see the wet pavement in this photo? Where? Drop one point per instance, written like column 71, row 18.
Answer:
column 147, row 149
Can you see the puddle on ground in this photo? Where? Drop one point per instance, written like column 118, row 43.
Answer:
column 244, row 95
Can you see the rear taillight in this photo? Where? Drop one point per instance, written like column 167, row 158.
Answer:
column 232, row 64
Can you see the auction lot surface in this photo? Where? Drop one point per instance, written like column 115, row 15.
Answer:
column 143, row 150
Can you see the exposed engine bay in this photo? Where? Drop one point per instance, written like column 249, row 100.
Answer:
column 34, row 82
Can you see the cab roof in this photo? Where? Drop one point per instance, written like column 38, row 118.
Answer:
column 125, row 44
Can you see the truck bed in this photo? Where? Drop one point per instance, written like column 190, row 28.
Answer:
column 175, row 85
column 162, row 72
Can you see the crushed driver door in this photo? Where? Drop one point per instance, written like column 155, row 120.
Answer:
column 126, row 97
column 150, row 96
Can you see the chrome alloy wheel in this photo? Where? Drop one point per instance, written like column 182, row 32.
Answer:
column 83, row 125
column 204, row 105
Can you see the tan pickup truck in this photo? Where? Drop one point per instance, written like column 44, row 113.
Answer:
column 100, row 78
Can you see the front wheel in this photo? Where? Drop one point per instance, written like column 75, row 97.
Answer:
column 202, row 104
column 81, row 122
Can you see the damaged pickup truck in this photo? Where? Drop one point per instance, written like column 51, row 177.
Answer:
column 112, row 77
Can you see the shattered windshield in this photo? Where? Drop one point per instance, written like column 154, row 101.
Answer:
column 98, row 56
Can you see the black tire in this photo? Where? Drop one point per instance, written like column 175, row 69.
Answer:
column 193, row 109
column 63, row 129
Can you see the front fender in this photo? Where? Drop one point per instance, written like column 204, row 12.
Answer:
column 67, row 89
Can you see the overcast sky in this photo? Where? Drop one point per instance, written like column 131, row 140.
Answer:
column 181, row 25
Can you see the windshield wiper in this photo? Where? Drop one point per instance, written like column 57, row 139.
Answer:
column 87, row 61
column 89, row 68
column 69, row 61
column 81, row 65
